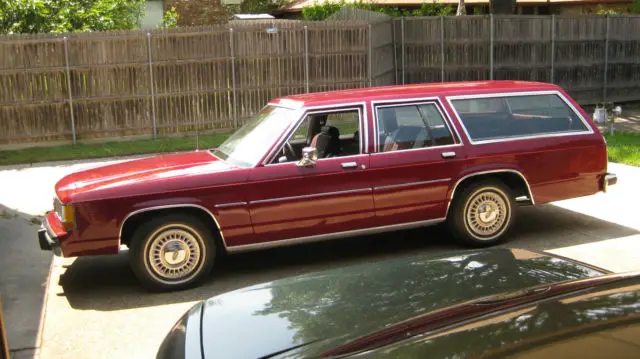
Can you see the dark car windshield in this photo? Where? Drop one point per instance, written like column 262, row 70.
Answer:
column 251, row 142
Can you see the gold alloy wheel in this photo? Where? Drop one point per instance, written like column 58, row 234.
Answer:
column 486, row 213
column 175, row 254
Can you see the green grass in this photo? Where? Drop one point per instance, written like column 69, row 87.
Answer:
column 624, row 147
column 108, row 149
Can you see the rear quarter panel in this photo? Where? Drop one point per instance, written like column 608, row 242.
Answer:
column 556, row 167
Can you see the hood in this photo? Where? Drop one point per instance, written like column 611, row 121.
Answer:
column 146, row 171
column 306, row 315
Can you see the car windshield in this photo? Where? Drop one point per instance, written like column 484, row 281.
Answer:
column 247, row 145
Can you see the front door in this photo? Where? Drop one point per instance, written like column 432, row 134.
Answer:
column 417, row 160
column 289, row 202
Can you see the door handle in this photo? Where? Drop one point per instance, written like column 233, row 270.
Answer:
column 448, row 154
column 349, row 164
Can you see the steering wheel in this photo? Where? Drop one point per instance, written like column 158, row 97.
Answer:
column 289, row 152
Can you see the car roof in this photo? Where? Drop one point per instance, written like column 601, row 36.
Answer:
column 382, row 93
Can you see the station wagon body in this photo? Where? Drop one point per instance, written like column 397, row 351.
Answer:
column 328, row 165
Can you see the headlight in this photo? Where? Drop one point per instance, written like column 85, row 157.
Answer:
column 65, row 213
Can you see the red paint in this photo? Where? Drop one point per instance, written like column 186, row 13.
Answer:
column 555, row 167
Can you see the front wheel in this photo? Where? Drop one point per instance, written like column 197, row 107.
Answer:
column 172, row 252
column 482, row 213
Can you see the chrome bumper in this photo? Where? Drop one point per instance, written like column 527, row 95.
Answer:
column 48, row 241
column 610, row 179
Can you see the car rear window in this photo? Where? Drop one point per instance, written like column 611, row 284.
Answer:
column 515, row 116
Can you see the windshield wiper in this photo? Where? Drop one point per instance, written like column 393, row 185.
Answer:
column 469, row 310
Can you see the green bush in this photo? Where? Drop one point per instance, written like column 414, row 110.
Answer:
column 318, row 12
column 170, row 18
column 36, row 16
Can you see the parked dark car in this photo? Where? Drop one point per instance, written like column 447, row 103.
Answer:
column 322, row 166
column 484, row 303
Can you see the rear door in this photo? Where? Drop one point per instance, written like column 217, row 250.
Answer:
column 418, row 156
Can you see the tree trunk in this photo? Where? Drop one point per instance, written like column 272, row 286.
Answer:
column 462, row 10
column 503, row 7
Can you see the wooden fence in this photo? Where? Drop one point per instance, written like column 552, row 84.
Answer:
column 105, row 85
column 595, row 58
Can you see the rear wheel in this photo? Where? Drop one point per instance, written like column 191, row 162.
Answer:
column 482, row 213
column 172, row 252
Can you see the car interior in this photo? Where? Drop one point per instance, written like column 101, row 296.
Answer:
column 511, row 117
column 411, row 127
column 333, row 134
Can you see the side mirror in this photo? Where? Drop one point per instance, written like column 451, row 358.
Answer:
column 282, row 159
column 309, row 157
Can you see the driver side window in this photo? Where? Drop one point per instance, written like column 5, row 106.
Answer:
column 333, row 134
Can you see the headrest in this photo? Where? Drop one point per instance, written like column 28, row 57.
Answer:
column 330, row 130
column 388, row 118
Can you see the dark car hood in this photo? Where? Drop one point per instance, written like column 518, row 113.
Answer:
column 326, row 309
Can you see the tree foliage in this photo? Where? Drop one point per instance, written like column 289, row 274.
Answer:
column 255, row 7
column 170, row 18
column 320, row 12
column 42, row 16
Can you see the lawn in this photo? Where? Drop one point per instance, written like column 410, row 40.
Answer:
column 108, row 149
column 624, row 147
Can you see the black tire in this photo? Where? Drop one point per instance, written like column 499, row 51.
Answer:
column 193, row 249
column 465, row 222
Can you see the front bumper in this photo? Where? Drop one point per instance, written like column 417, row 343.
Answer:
column 48, row 240
column 610, row 179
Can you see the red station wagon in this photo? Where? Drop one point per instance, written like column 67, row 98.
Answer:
column 329, row 165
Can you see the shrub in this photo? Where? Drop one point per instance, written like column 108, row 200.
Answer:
column 34, row 16
column 320, row 12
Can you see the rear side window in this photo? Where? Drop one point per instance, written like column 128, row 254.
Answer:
column 405, row 127
column 517, row 116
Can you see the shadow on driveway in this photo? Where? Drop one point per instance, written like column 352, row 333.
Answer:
column 24, row 270
column 107, row 283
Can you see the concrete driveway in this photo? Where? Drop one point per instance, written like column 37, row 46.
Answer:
column 95, row 309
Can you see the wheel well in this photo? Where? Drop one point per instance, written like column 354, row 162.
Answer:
column 514, row 181
column 135, row 221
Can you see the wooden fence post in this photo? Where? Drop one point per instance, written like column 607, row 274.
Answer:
column 491, row 45
column 370, row 56
column 395, row 51
column 441, row 48
column 151, row 86
column 4, row 345
column 306, row 58
column 402, row 46
column 606, row 60
column 553, row 48
column 68, row 71
column 233, row 80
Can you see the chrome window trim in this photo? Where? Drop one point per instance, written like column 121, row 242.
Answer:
column 417, row 149
column 379, row 188
column 563, row 98
column 415, row 101
column 314, row 195
column 231, row 204
column 361, row 107
column 156, row 208
column 455, row 187
column 334, row 235
column 319, row 159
